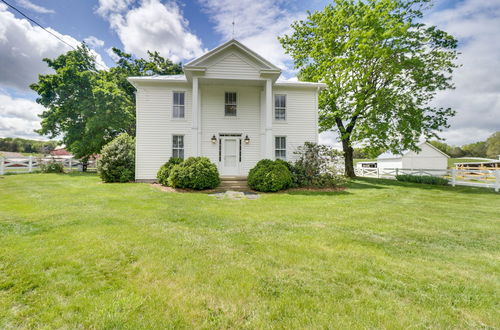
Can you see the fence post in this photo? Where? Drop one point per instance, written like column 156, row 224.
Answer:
column 453, row 176
column 497, row 180
column 397, row 171
column 2, row 165
column 30, row 164
column 70, row 164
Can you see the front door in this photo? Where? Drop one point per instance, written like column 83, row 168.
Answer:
column 230, row 162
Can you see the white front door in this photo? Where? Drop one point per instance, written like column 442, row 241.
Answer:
column 230, row 162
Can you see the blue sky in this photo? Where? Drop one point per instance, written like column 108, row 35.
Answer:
column 182, row 30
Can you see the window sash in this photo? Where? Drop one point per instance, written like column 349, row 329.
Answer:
column 280, row 107
column 178, row 146
column 178, row 105
column 280, row 147
column 230, row 100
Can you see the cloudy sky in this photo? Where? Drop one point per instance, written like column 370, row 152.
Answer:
column 182, row 30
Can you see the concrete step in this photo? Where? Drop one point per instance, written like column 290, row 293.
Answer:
column 233, row 178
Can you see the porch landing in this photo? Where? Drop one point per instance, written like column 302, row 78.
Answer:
column 233, row 183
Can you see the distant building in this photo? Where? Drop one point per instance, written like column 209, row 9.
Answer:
column 60, row 151
column 428, row 158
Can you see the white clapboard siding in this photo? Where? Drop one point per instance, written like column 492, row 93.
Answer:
column 233, row 66
column 301, row 118
column 155, row 127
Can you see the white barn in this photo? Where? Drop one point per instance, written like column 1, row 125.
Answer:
column 229, row 106
column 429, row 158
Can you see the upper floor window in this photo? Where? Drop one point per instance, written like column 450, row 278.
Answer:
column 230, row 104
column 178, row 105
column 280, row 147
column 280, row 107
column 178, row 146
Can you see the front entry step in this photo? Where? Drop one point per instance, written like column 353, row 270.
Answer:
column 233, row 183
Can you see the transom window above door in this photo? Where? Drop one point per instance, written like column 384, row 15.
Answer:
column 230, row 104
column 178, row 109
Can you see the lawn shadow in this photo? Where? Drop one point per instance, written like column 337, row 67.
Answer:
column 375, row 183
column 316, row 193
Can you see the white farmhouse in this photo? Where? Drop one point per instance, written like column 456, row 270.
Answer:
column 429, row 158
column 229, row 106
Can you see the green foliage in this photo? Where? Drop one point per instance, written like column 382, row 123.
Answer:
column 194, row 173
column 117, row 161
column 164, row 171
column 52, row 167
column 270, row 176
column 426, row 179
column 382, row 66
column 476, row 149
column 317, row 166
column 89, row 107
column 26, row 146
column 493, row 145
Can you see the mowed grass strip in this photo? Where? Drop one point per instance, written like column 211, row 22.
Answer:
column 76, row 253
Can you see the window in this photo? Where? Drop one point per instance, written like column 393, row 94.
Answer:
column 280, row 147
column 178, row 109
column 230, row 104
column 178, row 146
column 279, row 107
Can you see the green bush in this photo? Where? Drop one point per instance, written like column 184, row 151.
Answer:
column 426, row 179
column 117, row 161
column 164, row 171
column 52, row 167
column 269, row 176
column 195, row 173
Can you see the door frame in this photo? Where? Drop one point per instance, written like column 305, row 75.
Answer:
column 230, row 136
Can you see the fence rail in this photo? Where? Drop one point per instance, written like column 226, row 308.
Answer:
column 487, row 178
column 32, row 164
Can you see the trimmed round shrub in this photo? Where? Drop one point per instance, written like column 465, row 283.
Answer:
column 117, row 161
column 164, row 171
column 52, row 167
column 194, row 173
column 269, row 176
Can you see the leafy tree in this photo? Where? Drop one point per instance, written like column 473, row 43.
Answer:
column 25, row 145
column 477, row 149
column 382, row 66
column 493, row 145
column 83, row 104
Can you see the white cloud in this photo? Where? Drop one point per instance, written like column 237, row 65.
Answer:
column 22, row 48
column 94, row 42
column 257, row 24
column 31, row 6
column 111, row 54
column 18, row 117
column 153, row 26
column 476, row 24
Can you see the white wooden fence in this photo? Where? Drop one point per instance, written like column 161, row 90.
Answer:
column 32, row 164
column 463, row 177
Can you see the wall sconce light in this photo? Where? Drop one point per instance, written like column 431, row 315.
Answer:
column 213, row 139
column 247, row 139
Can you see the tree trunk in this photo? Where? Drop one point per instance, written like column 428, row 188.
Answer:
column 85, row 162
column 348, row 158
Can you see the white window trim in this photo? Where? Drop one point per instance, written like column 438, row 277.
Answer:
column 278, row 121
column 286, row 147
column 172, row 109
column 183, row 145
column 237, row 105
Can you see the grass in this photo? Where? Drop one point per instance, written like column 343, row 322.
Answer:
column 76, row 253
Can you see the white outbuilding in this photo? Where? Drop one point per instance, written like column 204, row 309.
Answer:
column 428, row 158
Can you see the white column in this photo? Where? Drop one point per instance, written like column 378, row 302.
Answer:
column 269, row 120
column 194, row 119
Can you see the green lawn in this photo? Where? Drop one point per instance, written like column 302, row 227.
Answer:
column 75, row 253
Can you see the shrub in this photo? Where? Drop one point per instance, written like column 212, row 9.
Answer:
column 318, row 166
column 426, row 179
column 117, row 161
column 52, row 167
column 268, row 175
column 195, row 173
column 164, row 171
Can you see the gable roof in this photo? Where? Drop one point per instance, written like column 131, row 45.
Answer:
column 390, row 155
column 232, row 43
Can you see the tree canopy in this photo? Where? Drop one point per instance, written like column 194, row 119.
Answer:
column 382, row 66
column 87, row 107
